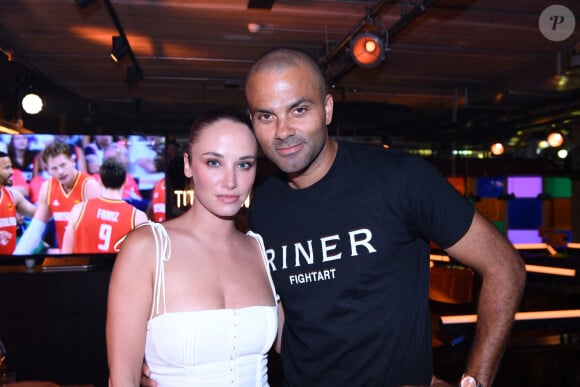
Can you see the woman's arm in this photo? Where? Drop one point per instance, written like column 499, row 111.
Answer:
column 129, row 307
column 278, row 342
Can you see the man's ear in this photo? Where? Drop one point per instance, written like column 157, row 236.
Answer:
column 328, row 108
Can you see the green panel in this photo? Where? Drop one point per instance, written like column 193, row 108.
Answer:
column 558, row 187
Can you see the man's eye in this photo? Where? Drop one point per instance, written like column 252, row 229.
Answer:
column 300, row 111
column 263, row 116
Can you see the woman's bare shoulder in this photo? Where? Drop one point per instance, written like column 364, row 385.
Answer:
column 139, row 240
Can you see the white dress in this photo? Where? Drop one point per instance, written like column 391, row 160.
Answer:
column 221, row 347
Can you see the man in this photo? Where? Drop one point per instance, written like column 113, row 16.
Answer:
column 98, row 224
column 347, row 230
column 156, row 207
column 12, row 205
column 130, row 189
column 66, row 187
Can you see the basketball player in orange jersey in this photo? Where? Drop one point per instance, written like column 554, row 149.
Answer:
column 95, row 226
column 66, row 187
column 12, row 204
column 156, row 208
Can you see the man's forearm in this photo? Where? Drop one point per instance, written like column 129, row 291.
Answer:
column 499, row 299
column 31, row 238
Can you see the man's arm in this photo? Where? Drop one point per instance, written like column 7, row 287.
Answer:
column 503, row 274
column 68, row 239
column 23, row 206
column 33, row 234
column 92, row 189
column 140, row 217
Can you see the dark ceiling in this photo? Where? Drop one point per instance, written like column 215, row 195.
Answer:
column 456, row 71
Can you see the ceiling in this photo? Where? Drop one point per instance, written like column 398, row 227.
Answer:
column 456, row 71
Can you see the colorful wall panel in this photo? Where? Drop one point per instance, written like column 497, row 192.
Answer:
column 493, row 209
column 525, row 186
column 490, row 187
column 524, row 236
column 558, row 187
column 524, row 214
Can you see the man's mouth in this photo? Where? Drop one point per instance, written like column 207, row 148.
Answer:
column 289, row 149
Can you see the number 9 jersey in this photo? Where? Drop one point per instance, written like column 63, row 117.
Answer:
column 101, row 223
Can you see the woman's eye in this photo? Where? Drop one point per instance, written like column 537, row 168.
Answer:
column 213, row 163
column 246, row 165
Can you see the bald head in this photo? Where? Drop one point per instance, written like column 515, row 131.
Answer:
column 282, row 59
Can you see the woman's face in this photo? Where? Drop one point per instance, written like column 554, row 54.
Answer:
column 20, row 142
column 222, row 166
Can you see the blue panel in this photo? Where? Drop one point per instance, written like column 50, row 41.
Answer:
column 490, row 187
column 524, row 214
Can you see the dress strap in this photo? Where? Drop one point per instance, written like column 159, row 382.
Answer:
column 260, row 241
column 162, row 255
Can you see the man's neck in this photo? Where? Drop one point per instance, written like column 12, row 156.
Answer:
column 112, row 193
column 67, row 189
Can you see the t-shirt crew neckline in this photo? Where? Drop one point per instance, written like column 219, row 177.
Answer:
column 320, row 183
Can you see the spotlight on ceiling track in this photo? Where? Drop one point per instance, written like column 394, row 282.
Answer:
column 32, row 103
column 120, row 48
column 368, row 47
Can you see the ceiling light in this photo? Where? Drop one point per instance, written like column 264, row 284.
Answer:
column 562, row 153
column 120, row 48
column 497, row 149
column 368, row 45
column 32, row 103
column 254, row 27
column 367, row 49
column 555, row 139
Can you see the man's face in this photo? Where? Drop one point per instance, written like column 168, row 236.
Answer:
column 5, row 171
column 62, row 168
column 289, row 116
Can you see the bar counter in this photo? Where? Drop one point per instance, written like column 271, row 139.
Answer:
column 53, row 323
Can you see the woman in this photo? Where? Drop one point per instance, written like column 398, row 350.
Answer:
column 193, row 295
column 22, row 156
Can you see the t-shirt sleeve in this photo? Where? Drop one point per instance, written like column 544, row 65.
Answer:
column 437, row 209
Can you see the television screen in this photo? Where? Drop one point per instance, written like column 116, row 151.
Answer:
column 59, row 184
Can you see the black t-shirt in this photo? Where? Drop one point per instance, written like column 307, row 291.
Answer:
column 350, row 260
